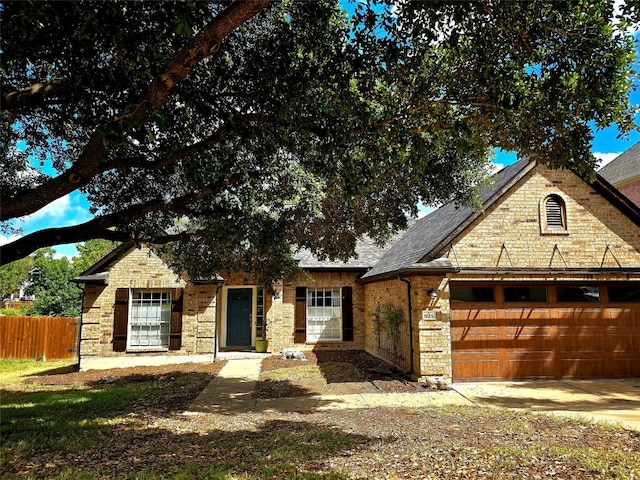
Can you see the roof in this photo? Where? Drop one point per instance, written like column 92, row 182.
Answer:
column 624, row 167
column 368, row 254
column 420, row 244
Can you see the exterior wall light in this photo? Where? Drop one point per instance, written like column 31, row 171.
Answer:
column 432, row 293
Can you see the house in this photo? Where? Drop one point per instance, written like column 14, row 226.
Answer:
column 623, row 172
column 543, row 282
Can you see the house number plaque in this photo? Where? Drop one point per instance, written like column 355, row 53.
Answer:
column 429, row 315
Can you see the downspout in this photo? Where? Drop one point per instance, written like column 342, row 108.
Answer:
column 215, row 332
column 80, row 325
column 410, row 321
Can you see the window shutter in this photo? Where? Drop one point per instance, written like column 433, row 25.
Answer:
column 554, row 211
column 175, row 328
column 300, row 335
column 347, row 314
column 121, row 320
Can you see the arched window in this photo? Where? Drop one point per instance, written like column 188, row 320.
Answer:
column 553, row 216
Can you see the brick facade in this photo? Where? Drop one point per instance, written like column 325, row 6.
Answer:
column 632, row 191
column 141, row 269
column 280, row 316
column 509, row 242
column 510, row 236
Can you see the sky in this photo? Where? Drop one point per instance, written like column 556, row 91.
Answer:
column 73, row 209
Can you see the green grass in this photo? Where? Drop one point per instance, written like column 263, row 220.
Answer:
column 63, row 421
column 94, row 424
column 13, row 372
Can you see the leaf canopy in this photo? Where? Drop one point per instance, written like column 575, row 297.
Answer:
column 237, row 132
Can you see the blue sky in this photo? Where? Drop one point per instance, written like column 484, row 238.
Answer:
column 73, row 209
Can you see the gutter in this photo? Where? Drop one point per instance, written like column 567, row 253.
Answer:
column 215, row 332
column 402, row 279
column 80, row 323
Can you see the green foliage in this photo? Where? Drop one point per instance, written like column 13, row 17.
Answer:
column 50, row 283
column 388, row 317
column 304, row 128
column 14, row 275
column 90, row 252
column 12, row 312
column 50, row 278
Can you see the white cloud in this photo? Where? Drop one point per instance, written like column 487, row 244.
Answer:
column 55, row 210
column 4, row 239
column 62, row 212
column 604, row 158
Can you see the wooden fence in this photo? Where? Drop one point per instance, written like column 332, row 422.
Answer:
column 50, row 338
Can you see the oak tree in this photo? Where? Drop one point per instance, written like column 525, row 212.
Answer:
column 236, row 132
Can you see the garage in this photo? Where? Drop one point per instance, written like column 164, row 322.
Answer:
column 511, row 331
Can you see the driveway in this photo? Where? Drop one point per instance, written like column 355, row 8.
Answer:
column 614, row 401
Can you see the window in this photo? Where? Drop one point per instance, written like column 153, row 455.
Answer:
column 525, row 294
column 260, row 327
column 629, row 293
column 472, row 294
column 150, row 319
column 553, row 215
column 324, row 314
column 584, row 293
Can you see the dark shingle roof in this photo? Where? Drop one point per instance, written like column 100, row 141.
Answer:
column 430, row 231
column 624, row 167
column 367, row 251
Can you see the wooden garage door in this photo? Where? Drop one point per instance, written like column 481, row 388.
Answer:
column 545, row 342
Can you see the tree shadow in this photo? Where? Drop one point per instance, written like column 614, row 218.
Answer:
column 48, row 433
column 550, row 395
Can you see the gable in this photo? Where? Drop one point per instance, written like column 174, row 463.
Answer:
column 512, row 234
column 419, row 247
column 141, row 268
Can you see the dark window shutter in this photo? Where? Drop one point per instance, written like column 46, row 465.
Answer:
column 175, row 328
column 300, row 335
column 121, row 320
column 555, row 212
column 347, row 314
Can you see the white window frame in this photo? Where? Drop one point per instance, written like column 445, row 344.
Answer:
column 156, row 317
column 324, row 322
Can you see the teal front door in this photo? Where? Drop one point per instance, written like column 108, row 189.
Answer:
column 239, row 302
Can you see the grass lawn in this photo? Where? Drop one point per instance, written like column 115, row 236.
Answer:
column 131, row 427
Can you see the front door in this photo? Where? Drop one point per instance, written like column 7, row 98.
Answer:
column 239, row 302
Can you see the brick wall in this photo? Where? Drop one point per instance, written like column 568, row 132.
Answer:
column 429, row 354
column 280, row 315
column 632, row 191
column 598, row 235
column 140, row 268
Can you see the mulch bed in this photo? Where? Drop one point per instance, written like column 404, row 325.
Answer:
column 338, row 372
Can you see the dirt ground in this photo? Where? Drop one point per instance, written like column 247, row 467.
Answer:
column 331, row 372
column 152, row 437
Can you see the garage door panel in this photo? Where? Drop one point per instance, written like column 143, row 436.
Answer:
column 529, row 368
column 526, row 316
column 582, row 340
column 623, row 339
column 480, row 369
column 547, row 342
column 623, row 317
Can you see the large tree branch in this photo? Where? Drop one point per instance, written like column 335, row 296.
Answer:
column 198, row 147
column 34, row 95
column 93, row 160
column 101, row 227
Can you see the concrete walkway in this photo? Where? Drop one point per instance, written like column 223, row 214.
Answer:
column 612, row 401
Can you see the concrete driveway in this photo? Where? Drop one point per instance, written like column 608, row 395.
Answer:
column 614, row 401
